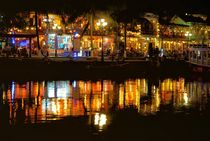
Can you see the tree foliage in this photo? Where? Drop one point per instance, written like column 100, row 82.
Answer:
column 9, row 21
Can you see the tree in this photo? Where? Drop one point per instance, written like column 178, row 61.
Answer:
column 10, row 22
column 37, row 29
column 124, row 16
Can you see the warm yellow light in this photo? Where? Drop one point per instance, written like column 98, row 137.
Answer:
column 54, row 108
column 102, row 20
column 102, row 120
column 96, row 121
column 4, row 95
column 98, row 23
column 186, row 99
column 188, row 34
column 106, row 39
column 104, row 23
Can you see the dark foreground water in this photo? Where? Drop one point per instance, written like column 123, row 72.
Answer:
column 106, row 109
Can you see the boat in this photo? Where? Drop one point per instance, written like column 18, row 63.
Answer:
column 199, row 58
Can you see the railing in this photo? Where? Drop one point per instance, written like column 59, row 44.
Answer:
column 173, row 36
column 199, row 56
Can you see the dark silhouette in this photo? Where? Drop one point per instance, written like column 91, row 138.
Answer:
column 150, row 51
column 5, row 114
column 20, row 116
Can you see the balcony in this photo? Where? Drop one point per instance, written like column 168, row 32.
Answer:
column 148, row 33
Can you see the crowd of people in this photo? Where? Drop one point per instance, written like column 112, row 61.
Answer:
column 153, row 53
column 8, row 51
column 16, row 51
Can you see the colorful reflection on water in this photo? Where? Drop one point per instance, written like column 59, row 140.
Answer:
column 52, row 100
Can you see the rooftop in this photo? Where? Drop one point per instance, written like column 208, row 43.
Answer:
column 190, row 18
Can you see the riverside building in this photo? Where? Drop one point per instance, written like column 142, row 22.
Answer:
column 82, row 37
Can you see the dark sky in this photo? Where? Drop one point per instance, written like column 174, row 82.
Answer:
column 194, row 6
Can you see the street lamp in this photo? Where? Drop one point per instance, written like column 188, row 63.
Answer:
column 188, row 35
column 101, row 24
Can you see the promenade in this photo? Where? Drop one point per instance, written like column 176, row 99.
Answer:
column 90, row 68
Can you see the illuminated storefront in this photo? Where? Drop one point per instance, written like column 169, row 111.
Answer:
column 62, row 44
column 174, row 45
column 108, row 44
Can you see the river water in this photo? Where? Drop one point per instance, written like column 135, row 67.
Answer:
column 34, row 102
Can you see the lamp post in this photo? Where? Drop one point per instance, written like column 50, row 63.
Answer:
column 188, row 35
column 101, row 24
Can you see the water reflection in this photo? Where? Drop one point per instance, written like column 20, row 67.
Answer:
column 35, row 101
column 100, row 120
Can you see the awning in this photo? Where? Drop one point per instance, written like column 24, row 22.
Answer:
column 18, row 35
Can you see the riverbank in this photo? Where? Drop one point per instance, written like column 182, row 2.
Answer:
column 70, row 69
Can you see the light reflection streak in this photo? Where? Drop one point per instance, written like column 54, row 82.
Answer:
column 13, row 92
column 157, row 98
column 51, row 89
column 74, row 99
column 100, row 120
column 74, row 84
column 185, row 97
column 4, row 96
column 96, row 121
column 54, row 108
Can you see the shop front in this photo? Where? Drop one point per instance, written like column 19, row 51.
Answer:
column 59, row 45
column 108, row 45
column 138, row 46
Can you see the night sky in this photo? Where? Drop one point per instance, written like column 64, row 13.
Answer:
column 190, row 6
